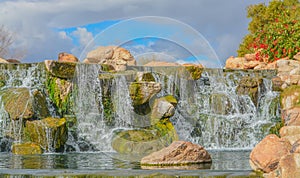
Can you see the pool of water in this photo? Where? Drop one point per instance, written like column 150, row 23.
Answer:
column 225, row 164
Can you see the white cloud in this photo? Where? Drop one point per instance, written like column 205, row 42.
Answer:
column 35, row 21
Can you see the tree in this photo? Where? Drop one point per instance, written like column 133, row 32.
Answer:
column 6, row 40
column 274, row 31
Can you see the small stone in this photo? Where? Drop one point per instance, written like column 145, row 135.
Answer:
column 66, row 57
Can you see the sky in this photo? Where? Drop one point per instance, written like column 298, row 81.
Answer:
column 205, row 31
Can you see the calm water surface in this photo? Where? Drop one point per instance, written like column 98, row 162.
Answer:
column 225, row 164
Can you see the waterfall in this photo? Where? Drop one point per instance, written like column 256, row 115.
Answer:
column 212, row 114
column 99, row 116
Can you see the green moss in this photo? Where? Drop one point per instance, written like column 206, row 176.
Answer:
column 276, row 128
column 65, row 70
column 171, row 99
column 289, row 92
column 195, row 71
column 136, row 93
column 26, row 149
column 56, row 88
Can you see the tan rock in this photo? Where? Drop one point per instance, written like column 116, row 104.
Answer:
column 161, row 63
column 297, row 57
column 66, row 57
column 260, row 66
column 3, row 60
column 266, row 154
column 271, row 65
column 291, row 117
column 292, row 138
column 289, row 131
column 142, row 92
column 289, row 166
column 296, row 147
column 235, row 63
column 250, row 57
column 277, row 83
column 251, row 64
column 290, row 97
column 178, row 153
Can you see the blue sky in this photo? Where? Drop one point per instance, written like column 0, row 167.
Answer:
column 185, row 30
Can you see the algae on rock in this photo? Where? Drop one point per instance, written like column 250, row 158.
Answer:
column 27, row 148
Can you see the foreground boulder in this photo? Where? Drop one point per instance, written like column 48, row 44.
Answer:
column 178, row 153
column 266, row 154
column 49, row 133
column 26, row 149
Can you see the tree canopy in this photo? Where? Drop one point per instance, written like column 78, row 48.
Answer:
column 274, row 31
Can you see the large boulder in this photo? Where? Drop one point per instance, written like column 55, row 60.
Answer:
column 266, row 155
column 142, row 92
column 26, row 149
column 145, row 141
column 116, row 57
column 250, row 86
column 66, row 57
column 49, row 133
column 65, row 70
column 21, row 103
column 235, row 63
column 290, row 97
column 178, row 153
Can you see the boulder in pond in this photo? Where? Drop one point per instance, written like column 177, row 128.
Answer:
column 26, row 149
column 178, row 153
column 49, row 133
column 21, row 103
column 145, row 141
column 266, row 154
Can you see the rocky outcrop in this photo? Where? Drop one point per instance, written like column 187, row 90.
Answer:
column 21, row 103
column 26, row 149
column 142, row 92
column 266, row 154
column 178, row 153
column 49, row 133
column 116, row 57
column 290, row 97
column 66, row 57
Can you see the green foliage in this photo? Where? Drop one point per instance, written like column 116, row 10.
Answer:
column 274, row 30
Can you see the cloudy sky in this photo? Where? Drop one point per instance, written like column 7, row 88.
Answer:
column 182, row 30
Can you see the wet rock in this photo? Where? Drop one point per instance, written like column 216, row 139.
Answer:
column 144, row 77
column 49, row 133
column 178, row 153
column 220, row 103
column 116, row 57
column 145, row 141
column 26, row 149
column 66, row 57
column 142, row 92
column 65, row 70
column 60, row 91
column 250, row 86
column 194, row 70
column 290, row 97
column 163, row 107
column 266, row 154
column 277, row 83
column 21, row 103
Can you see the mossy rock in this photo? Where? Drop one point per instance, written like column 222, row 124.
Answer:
column 250, row 86
column 65, row 70
column 290, row 97
column 21, row 103
column 60, row 93
column 194, row 71
column 220, row 103
column 163, row 107
column 142, row 92
column 145, row 141
column 144, row 77
column 49, row 133
column 26, row 149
